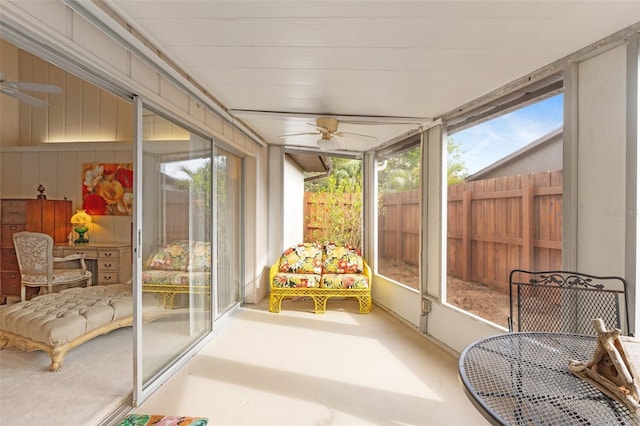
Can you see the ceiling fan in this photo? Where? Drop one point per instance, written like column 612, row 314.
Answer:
column 15, row 88
column 327, row 128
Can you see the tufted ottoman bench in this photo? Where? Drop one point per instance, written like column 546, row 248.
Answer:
column 58, row 322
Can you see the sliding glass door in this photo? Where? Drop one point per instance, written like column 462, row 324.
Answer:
column 177, row 269
column 228, row 182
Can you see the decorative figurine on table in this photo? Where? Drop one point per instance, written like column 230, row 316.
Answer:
column 614, row 366
column 41, row 195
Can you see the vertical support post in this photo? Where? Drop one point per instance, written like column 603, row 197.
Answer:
column 466, row 235
column 528, row 226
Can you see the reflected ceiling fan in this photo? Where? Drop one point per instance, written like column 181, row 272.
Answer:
column 15, row 88
column 327, row 128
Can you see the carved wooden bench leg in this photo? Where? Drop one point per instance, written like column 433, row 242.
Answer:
column 57, row 357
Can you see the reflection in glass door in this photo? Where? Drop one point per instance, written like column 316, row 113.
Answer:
column 228, row 174
column 177, row 273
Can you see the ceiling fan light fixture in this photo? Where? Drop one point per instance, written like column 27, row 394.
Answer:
column 327, row 144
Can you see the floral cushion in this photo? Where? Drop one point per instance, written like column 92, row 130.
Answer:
column 355, row 281
column 296, row 280
column 200, row 260
column 304, row 258
column 175, row 277
column 342, row 260
column 173, row 256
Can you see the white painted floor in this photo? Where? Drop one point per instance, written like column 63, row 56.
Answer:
column 299, row 368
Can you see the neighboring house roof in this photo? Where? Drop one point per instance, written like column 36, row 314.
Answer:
column 526, row 158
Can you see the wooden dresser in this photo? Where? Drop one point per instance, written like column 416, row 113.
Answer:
column 110, row 263
column 35, row 215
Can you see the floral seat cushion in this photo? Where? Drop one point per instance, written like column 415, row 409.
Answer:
column 352, row 281
column 305, row 258
column 342, row 260
column 175, row 277
column 59, row 276
column 173, row 256
column 284, row 280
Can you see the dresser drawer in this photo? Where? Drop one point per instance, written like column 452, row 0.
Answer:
column 10, row 283
column 9, row 260
column 14, row 211
column 8, row 231
column 108, row 254
column 89, row 253
column 106, row 278
column 108, row 265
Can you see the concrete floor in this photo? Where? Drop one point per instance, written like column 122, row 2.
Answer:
column 300, row 368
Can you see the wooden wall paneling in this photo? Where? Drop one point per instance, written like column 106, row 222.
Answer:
column 73, row 108
column 11, row 173
column 9, row 129
column 56, row 111
column 47, row 174
column 108, row 117
column 24, row 110
column 28, row 175
column 69, row 175
column 39, row 116
column 124, row 122
column 90, row 112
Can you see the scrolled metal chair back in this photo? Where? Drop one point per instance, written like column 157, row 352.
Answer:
column 566, row 301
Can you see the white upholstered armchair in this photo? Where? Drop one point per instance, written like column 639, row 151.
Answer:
column 38, row 267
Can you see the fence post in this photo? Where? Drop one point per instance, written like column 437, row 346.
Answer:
column 466, row 235
column 528, row 226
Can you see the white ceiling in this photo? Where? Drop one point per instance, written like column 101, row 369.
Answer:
column 277, row 65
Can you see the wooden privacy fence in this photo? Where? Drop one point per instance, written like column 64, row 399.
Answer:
column 399, row 226
column 493, row 226
column 496, row 225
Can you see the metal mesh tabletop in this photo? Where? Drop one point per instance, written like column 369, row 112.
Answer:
column 524, row 379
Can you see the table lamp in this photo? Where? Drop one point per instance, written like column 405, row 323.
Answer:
column 80, row 220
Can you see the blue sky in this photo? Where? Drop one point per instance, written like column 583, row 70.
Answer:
column 497, row 138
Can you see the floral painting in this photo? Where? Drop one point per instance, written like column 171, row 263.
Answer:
column 107, row 188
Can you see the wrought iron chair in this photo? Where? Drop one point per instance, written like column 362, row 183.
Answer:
column 38, row 267
column 566, row 302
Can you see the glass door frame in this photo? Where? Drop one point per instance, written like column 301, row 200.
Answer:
column 141, row 389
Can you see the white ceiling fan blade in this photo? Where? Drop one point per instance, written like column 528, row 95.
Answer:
column 356, row 134
column 299, row 134
column 38, row 103
column 34, row 87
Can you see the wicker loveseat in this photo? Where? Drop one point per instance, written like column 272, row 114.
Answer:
column 178, row 267
column 320, row 272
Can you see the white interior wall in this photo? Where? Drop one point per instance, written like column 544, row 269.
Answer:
column 59, row 169
column 293, row 215
column 601, row 160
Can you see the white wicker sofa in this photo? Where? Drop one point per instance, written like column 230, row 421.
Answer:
column 58, row 322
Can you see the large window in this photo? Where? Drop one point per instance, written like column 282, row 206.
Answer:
column 399, row 214
column 333, row 204
column 504, row 205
